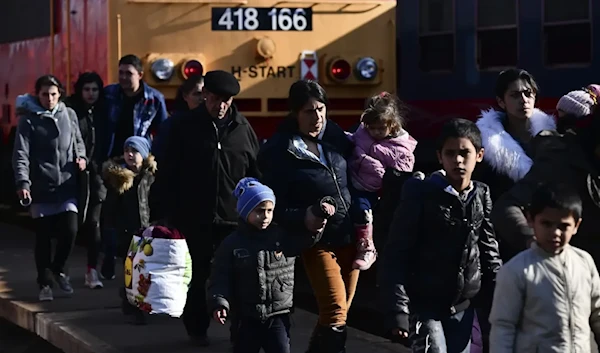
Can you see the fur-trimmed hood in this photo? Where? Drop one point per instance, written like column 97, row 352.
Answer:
column 502, row 152
column 119, row 177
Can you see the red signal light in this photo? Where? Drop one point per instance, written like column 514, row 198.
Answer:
column 340, row 69
column 192, row 68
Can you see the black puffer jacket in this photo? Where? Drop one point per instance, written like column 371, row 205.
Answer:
column 298, row 180
column 254, row 269
column 91, row 122
column 438, row 248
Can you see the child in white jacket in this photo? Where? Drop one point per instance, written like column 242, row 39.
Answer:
column 548, row 297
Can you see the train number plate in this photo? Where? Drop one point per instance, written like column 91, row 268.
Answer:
column 261, row 19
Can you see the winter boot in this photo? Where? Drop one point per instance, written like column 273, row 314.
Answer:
column 366, row 253
column 334, row 340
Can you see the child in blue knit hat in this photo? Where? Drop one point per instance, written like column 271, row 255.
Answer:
column 253, row 269
column 128, row 179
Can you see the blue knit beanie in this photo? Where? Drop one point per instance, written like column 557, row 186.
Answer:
column 250, row 193
column 141, row 144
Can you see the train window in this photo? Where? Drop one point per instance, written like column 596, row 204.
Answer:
column 494, row 13
column 436, row 39
column 497, row 35
column 17, row 25
column 562, row 10
column 567, row 32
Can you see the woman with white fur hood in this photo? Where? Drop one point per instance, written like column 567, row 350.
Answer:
column 507, row 131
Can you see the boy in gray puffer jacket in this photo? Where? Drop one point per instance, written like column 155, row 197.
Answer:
column 254, row 269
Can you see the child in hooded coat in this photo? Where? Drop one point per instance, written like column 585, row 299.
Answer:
column 380, row 143
column 126, row 210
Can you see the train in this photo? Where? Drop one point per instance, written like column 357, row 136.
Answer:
column 266, row 44
column 440, row 56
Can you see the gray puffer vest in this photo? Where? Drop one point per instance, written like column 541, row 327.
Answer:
column 255, row 270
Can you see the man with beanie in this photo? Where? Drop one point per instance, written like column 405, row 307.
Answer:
column 263, row 312
column 208, row 150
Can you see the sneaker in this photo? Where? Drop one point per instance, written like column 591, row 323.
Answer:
column 366, row 255
column 91, row 279
column 106, row 276
column 63, row 283
column 46, row 294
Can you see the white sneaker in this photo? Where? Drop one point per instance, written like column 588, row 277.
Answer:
column 92, row 281
column 46, row 294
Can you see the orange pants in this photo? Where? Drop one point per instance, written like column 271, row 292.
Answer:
column 333, row 281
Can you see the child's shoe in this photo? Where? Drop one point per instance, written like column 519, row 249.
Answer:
column 366, row 254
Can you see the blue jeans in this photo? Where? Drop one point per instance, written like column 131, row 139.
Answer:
column 449, row 334
column 361, row 201
column 273, row 335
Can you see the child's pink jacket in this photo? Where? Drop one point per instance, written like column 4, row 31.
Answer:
column 371, row 158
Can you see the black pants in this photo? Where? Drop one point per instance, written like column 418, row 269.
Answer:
column 91, row 232
column 63, row 227
column 273, row 335
column 202, row 242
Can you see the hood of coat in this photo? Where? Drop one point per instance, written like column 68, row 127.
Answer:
column 28, row 104
column 502, row 152
column 363, row 139
column 119, row 177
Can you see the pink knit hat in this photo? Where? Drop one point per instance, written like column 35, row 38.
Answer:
column 578, row 103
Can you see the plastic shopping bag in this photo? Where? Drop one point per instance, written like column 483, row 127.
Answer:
column 158, row 271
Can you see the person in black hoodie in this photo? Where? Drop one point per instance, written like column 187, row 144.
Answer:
column 88, row 104
column 441, row 249
column 208, row 150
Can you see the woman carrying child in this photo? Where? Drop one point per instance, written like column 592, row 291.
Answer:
column 380, row 143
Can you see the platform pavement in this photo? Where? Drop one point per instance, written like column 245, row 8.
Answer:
column 91, row 320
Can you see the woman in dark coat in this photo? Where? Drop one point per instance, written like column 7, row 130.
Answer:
column 88, row 104
column 304, row 161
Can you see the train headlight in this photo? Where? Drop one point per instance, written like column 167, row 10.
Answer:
column 366, row 69
column 162, row 69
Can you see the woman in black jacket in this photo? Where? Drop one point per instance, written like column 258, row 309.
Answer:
column 88, row 103
column 304, row 161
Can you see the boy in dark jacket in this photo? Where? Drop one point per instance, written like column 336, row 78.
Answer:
column 441, row 249
column 254, row 269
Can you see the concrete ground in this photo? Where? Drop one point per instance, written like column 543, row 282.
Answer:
column 91, row 320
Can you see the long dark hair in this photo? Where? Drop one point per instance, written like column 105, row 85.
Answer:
column 180, row 105
column 85, row 78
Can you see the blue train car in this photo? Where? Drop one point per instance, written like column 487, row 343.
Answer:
column 451, row 51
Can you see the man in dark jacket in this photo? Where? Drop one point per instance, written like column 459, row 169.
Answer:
column 208, row 150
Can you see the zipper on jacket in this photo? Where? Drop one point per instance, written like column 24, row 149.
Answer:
column 337, row 186
column 217, row 168
column 570, row 311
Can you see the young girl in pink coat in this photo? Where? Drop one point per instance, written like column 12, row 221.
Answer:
column 381, row 143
